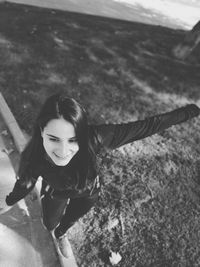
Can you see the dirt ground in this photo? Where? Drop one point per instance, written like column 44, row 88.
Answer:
column 149, row 209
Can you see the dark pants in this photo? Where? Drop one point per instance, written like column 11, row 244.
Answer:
column 61, row 215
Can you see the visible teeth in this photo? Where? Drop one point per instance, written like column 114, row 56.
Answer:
column 60, row 157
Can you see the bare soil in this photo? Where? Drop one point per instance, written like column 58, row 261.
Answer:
column 149, row 209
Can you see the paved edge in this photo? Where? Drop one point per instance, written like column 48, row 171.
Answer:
column 19, row 139
column 36, row 258
column 12, row 125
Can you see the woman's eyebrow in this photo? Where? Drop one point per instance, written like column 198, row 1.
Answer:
column 53, row 136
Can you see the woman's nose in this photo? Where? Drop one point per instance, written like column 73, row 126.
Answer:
column 63, row 149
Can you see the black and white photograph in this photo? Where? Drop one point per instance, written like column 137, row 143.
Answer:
column 99, row 133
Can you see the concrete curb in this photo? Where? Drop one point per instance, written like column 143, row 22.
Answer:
column 35, row 258
column 20, row 142
column 12, row 241
column 12, row 125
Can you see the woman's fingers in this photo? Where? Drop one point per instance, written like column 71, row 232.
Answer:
column 4, row 209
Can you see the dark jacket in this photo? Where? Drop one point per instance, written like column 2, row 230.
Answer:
column 57, row 180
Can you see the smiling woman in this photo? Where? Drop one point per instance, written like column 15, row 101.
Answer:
column 63, row 152
column 59, row 141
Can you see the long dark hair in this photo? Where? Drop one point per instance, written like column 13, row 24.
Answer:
column 55, row 107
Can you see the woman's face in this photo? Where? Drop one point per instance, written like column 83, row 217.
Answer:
column 59, row 141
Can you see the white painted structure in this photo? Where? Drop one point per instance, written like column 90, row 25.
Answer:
column 180, row 13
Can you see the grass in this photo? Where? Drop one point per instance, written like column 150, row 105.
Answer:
column 149, row 210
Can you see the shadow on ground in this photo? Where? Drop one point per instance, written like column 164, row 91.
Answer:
column 110, row 61
column 18, row 245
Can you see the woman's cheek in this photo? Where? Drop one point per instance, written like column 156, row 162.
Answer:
column 76, row 148
column 47, row 145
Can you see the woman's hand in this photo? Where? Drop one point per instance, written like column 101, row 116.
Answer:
column 4, row 209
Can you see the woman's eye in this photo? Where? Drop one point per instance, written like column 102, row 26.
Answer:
column 73, row 141
column 53, row 139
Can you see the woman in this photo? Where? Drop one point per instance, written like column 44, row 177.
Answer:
column 63, row 152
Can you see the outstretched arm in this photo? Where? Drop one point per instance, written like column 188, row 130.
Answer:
column 115, row 135
column 20, row 190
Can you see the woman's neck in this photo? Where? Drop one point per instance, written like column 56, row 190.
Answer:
column 47, row 158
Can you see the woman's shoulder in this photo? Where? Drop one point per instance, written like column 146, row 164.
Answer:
column 94, row 137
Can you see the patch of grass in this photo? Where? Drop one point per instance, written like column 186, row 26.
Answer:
column 120, row 71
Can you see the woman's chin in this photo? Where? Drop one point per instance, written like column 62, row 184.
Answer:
column 61, row 162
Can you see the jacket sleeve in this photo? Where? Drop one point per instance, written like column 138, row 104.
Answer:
column 20, row 190
column 113, row 136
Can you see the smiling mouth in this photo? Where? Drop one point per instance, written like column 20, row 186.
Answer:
column 61, row 157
